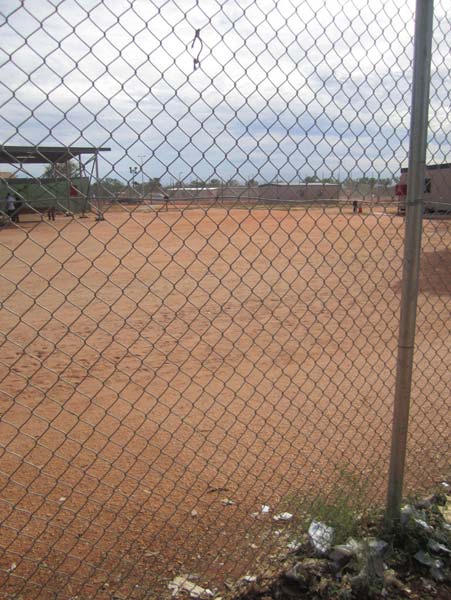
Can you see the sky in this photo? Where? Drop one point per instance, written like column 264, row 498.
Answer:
column 283, row 88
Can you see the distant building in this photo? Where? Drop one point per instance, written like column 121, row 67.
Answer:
column 240, row 193
column 437, row 188
column 264, row 193
column 299, row 191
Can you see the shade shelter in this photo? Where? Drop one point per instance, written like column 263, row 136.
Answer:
column 71, row 184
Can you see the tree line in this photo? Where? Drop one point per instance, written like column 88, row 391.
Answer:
column 114, row 184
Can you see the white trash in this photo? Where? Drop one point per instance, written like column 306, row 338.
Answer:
column 321, row 537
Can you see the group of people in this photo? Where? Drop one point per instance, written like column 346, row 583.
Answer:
column 13, row 207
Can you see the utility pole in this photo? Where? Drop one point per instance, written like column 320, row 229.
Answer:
column 133, row 173
column 141, row 158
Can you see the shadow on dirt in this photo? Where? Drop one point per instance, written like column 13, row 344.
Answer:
column 435, row 268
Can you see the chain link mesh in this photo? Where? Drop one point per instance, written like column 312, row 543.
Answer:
column 199, row 312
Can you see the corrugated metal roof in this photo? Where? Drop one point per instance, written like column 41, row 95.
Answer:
column 44, row 154
column 430, row 167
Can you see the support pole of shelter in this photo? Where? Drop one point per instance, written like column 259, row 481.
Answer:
column 412, row 247
column 67, row 187
column 99, row 216
column 84, row 194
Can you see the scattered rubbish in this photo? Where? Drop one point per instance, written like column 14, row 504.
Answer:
column 294, row 545
column 445, row 485
column 296, row 573
column 351, row 548
column 376, row 546
column 425, row 502
column 435, row 546
column 320, row 537
column 391, row 579
column 150, row 554
column 194, row 513
column 437, row 574
column 305, row 572
column 253, row 546
column 423, row 525
column 12, row 568
column 62, row 499
column 411, row 515
column 213, row 489
column 284, row 516
column 227, row 502
column 248, row 579
column 343, row 553
column 408, row 512
column 429, row 561
column 265, row 509
column 370, row 579
column 182, row 584
column 370, row 558
column 363, row 567
column 369, row 553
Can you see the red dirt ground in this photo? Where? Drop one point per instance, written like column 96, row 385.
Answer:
column 152, row 358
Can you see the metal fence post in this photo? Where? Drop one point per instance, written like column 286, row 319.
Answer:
column 412, row 246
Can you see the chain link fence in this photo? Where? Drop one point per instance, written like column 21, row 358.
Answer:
column 201, row 249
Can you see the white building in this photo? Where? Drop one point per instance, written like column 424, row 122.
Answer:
column 299, row 191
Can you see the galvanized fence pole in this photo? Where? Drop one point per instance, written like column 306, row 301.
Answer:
column 412, row 246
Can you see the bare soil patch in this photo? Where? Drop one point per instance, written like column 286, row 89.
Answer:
column 154, row 364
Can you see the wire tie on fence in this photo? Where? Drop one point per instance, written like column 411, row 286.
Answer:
column 196, row 60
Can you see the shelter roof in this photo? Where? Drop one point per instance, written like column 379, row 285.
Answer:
column 44, row 154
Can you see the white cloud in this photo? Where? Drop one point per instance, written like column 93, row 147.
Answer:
column 284, row 84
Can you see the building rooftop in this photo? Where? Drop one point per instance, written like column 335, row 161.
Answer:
column 301, row 183
column 430, row 167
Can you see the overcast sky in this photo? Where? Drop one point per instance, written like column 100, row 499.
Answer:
column 284, row 88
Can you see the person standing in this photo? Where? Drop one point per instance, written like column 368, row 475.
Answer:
column 51, row 212
column 17, row 208
column 10, row 206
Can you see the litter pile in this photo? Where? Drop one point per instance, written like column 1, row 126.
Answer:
column 413, row 561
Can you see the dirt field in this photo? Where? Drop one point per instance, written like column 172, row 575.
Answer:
column 151, row 360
